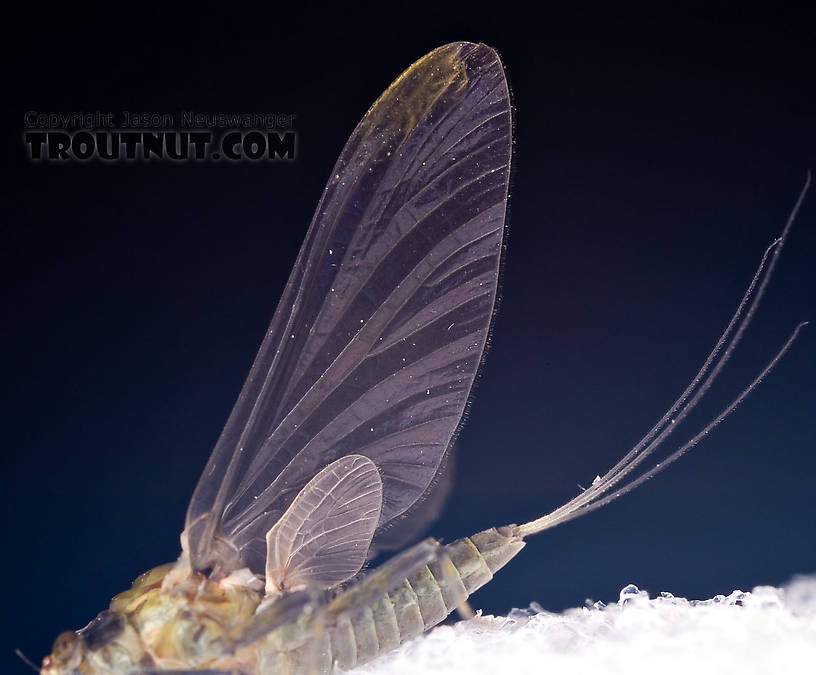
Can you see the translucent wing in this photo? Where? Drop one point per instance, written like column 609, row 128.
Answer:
column 323, row 537
column 379, row 333
column 413, row 523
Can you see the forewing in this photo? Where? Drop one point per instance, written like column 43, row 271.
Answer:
column 323, row 537
column 414, row 522
column 379, row 333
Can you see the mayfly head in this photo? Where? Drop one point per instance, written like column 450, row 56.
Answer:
column 105, row 638
column 65, row 656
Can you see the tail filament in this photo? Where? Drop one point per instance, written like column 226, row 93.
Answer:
column 598, row 494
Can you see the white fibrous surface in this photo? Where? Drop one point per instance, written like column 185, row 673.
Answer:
column 767, row 630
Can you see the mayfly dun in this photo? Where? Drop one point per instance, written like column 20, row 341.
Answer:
column 351, row 405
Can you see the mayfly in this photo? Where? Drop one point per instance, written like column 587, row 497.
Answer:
column 351, row 405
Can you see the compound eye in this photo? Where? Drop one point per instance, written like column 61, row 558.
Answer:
column 102, row 630
column 67, row 651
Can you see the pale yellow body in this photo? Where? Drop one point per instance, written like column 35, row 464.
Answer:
column 174, row 619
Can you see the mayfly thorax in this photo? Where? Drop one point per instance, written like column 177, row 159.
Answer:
column 351, row 405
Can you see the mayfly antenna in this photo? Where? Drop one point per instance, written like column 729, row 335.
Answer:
column 26, row 660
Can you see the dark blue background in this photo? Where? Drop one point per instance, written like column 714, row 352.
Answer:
column 657, row 156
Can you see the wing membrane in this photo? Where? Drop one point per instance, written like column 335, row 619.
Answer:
column 323, row 537
column 380, row 331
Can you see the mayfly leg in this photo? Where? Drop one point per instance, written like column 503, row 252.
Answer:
column 301, row 644
column 382, row 610
column 385, row 578
column 351, row 629
column 347, row 630
column 448, row 577
column 285, row 611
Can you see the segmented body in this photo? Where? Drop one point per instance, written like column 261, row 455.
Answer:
column 177, row 620
column 421, row 602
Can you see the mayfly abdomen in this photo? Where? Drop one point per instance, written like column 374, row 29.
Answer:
column 424, row 599
column 479, row 557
